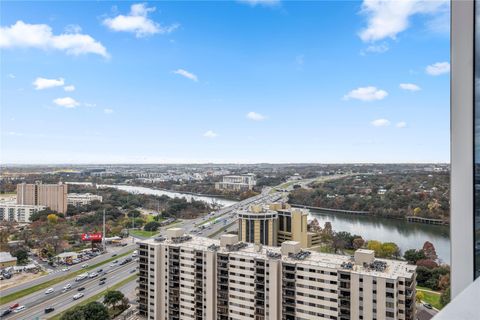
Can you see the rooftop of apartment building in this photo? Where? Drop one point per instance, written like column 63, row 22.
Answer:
column 290, row 252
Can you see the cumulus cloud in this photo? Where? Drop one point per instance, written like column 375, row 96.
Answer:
column 409, row 87
column 138, row 22
column 108, row 111
column 380, row 123
column 401, row 124
column 43, row 83
column 210, row 134
column 255, row 116
column 40, row 36
column 254, row 3
column 69, row 88
column 186, row 74
column 366, row 94
column 387, row 18
column 438, row 68
column 66, row 102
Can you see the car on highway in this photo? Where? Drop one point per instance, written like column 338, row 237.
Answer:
column 114, row 255
column 427, row 305
column 5, row 312
column 19, row 309
column 133, row 270
column 13, row 306
column 102, row 282
column 49, row 309
column 103, row 279
column 81, row 289
column 81, row 277
column 99, row 271
column 77, row 296
column 93, row 275
column 49, row 290
column 85, row 265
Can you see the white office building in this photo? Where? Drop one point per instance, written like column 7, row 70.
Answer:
column 18, row 212
column 237, row 182
column 82, row 199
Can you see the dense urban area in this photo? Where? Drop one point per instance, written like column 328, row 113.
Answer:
column 71, row 237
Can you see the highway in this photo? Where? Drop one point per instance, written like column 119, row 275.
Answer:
column 111, row 250
column 37, row 302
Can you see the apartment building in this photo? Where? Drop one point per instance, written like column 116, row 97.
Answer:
column 274, row 224
column 53, row 196
column 242, row 182
column 18, row 212
column 188, row 277
column 82, row 199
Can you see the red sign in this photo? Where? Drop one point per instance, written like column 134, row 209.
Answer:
column 91, row 237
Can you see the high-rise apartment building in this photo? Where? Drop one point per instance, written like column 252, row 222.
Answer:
column 187, row 277
column 53, row 196
column 274, row 224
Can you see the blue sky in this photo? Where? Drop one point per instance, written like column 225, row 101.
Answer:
column 245, row 82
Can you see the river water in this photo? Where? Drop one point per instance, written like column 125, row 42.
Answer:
column 405, row 234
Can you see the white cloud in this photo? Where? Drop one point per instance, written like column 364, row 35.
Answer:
column 438, row 68
column 387, row 18
column 69, row 88
column 255, row 116
column 380, row 123
column 254, row 3
column 137, row 22
column 409, row 87
column 90, row 105
column 401, row 124
column 11, row 76
column 66, row 102
column 186, row 74
column 43, row 83
column 108, row 111
column 300, row 59
column 40, row 36
column 210, row 134
column 366, row 94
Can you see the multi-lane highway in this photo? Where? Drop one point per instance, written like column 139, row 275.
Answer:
column 62, row 300
column 59, row 273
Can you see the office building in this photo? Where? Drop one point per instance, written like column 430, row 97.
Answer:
column 53, row 196
column 274, row 224
column 189, row 277
column 18, row 212
column 242, row 182
column 82, row 199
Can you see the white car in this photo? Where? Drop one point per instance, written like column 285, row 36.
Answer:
column 77, row 296
column 84, row 265
column 65, row 269
column 18, row 309
column 67, row 286
column 49, row 290
column 93, row 275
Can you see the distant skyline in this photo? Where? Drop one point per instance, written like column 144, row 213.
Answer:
column 251, row 81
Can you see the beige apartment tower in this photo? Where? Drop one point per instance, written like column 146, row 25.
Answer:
column 188, row 277
column 53, row 196
column 274, row 224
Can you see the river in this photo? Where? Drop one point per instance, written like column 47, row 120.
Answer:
column 406, row 235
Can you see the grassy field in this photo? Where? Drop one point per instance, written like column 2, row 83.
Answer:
column 143, row 233
column 97, row 296
column 50, row 283
column 431, row 297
